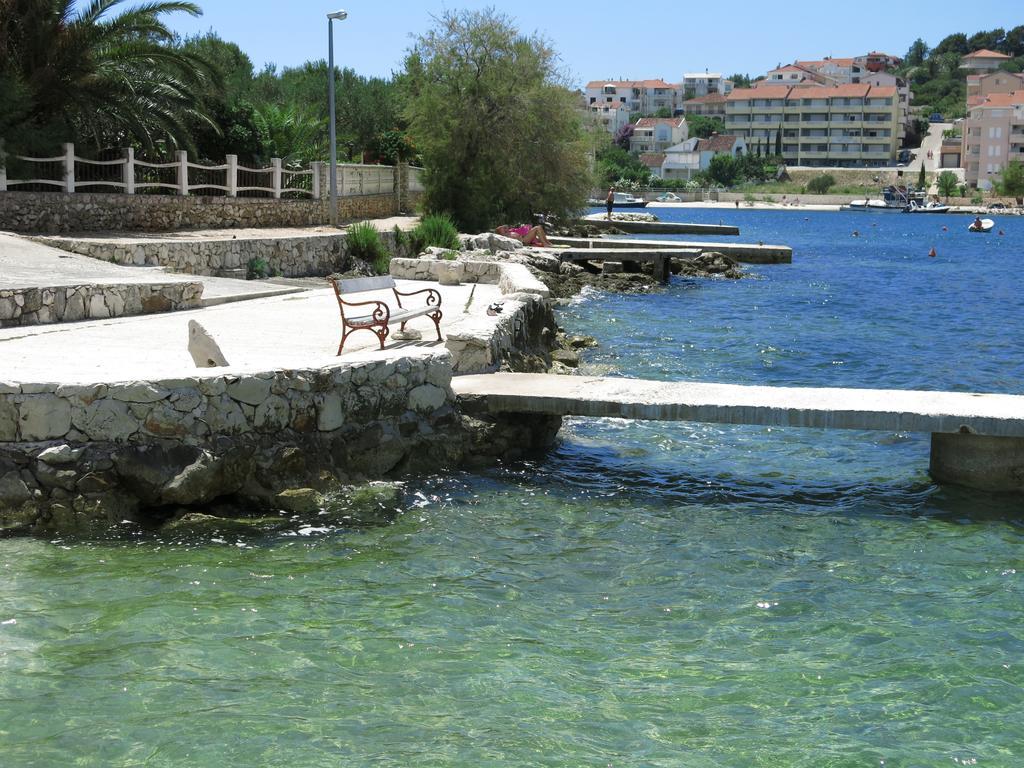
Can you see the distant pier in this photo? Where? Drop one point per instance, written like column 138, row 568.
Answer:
column 747, row 253
column 660, row 227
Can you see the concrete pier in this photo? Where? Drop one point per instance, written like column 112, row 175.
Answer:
column 977, row 439
column 661, row 227
column 745, row 253
column 660, row 259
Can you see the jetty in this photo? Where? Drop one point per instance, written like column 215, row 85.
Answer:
column 977, row 440
column 660, row 227
column 746, row 253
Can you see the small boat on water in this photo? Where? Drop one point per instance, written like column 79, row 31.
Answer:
column 669, row 197
column 930, row 207
column 986, row 225
column 894, row 200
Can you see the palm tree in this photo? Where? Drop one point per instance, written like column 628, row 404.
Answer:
column 95, row 75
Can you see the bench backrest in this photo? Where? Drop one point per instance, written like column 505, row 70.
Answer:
column 360, row 284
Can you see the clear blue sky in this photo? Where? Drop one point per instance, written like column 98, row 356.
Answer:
column 603, row 40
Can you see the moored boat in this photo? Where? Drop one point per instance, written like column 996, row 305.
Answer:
column 981, row 225
column 930, row 207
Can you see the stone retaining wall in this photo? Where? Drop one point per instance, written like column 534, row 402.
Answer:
column 74, row 456
column 308, row 256
column 57, row 212
column 68, row 303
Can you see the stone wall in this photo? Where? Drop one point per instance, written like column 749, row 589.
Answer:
column 57, row 212
column 68, row 303
column 79, row 455
column 307, row 256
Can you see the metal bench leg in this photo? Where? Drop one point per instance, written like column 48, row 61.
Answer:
column 436, row 317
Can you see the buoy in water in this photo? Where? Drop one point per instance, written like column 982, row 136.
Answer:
column 932, row 252
column 1001, row 233
column 856, row 233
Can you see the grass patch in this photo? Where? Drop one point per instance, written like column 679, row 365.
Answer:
column 436, row 230
column 364, row 243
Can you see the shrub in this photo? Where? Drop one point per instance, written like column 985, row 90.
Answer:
column 820, row 185
column 257, row 269
column 438, row 230
column 977, row 199
column 364, row 243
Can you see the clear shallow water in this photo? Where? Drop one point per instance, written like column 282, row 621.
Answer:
column 652, row 595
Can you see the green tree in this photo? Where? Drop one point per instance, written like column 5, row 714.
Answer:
column 288, row 133
column 724, row 170
column 495, row 122
column 922, row 180
column 955, row 43
column 615, row 164
column 917, row 53
column 703, row 126
column 1011, row 182
column 74, row 71
column 740, row 81
column 820, row 185
column 778, row 142
column 948, row 184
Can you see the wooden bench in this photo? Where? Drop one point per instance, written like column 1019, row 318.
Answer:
column 356, row 316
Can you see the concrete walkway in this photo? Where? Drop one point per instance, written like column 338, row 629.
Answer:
column 297, row 331
column 868, row 409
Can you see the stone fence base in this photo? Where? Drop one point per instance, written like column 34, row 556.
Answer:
column 68, row 303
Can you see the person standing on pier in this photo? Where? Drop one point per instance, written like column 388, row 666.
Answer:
column 609, row 202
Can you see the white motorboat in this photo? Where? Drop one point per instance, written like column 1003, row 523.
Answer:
column 622, row 200
column 894, row 200
column 930, row 207
column 669, row 197
column 986, row 225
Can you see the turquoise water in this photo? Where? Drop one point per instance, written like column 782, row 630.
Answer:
column 650, row 595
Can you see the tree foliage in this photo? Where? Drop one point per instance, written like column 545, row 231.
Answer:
column 494, row 121
column 702, row 126
column 616, row 165
column 96, row 72
column 948, row 184
column 724, row 170
column 1011, row 182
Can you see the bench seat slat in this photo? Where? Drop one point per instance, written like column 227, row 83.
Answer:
column 396, row 317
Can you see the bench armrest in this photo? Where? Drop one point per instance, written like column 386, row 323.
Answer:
column 433, row 296
column 382, row 313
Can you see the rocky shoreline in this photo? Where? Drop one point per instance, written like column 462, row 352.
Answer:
column 286, row 450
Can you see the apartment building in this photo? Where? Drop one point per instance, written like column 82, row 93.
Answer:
column 981, row 86
column 712, row 105
column 852, row 125
column 656, row 134
column 611, row 116
column 696, row 84
column 993, row 136
column 641, row 96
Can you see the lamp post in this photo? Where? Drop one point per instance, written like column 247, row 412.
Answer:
column 331, row 17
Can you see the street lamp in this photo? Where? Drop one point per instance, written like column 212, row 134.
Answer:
column 339, row 16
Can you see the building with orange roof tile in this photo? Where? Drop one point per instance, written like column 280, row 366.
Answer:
column 850, row 125
column 656, row 134
column 993, row 135
column 642, row 97
column 982, row 61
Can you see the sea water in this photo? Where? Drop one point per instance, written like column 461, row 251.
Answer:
column 650, row 594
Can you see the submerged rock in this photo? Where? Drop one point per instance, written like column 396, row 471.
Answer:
column 711, row 264
column 374, row 503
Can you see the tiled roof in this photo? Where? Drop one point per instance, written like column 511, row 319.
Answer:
column 652, row 159
column 882, row 91
column 764, row 92
column 1004, row 99
column 789, row 68
column 850, row 90
column 985, row 53
column 650, row 122
column 716, row 143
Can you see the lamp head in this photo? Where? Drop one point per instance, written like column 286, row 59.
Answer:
column 338, row 16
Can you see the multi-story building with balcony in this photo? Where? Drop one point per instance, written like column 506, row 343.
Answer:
column 696, row 84
column 712, row 105
column 643, row 97
column 853, row 125
column 656, row 134
column 610, row 116
column 993, row 135
column 981, row 86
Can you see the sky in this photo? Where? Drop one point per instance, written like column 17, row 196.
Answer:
column 600, row 40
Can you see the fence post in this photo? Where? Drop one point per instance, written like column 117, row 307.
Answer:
column 232, row 175
column 315, row 168
column 128, row 171
column 182, row 156
column 275, row 164
column 69, row 168
column 3, row 168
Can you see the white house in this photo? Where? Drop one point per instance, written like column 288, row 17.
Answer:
column 656, row 134
column 689, row 157
column 641, row 96
column 697, row 84
column 982, row 61
column 611, row 116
